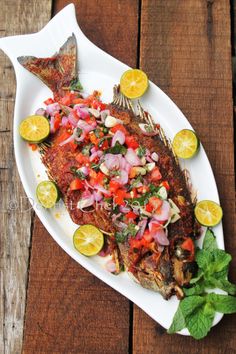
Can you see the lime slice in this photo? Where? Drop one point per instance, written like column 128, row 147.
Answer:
column 47, row 194
column 185, row 144
column 208, row 213
column 88, row 240
column 34, row 129
column 133, row 83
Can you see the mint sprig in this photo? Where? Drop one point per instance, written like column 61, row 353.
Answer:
column 196, row 311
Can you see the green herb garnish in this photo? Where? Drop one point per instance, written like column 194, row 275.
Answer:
column 78, row 173
column 86, row 149
column 95, row 166
column 141, row 151
column 130, row 230
column 75, row 85
column 196, row 311
column 117, row 149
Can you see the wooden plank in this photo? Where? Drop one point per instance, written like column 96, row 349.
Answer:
column 14, row 219
column 186, row 50
column 68, row 309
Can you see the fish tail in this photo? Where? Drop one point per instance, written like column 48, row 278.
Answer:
column 58, row 72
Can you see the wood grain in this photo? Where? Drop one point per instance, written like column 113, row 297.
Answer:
column 186, row 50
column 15, row 219
column 68, row 309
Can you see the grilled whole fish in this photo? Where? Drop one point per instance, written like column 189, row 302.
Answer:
column 129, row 182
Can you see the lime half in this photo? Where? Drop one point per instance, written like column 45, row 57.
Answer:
column 133, row 83
column 208, row 213
column 34, row 129
column 88, row 240
column 185, row 144
column 47, row 194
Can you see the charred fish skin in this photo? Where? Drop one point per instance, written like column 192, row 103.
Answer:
column 167, row 271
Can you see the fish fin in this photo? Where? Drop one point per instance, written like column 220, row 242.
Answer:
column 120, row 101
column 58, row 71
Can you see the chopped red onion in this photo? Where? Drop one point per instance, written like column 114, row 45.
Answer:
column 101, row 189
column 53, row 108
column 85, row 202
column 85, row 126
column 88, row 184
column 119, row 136
column 94, row 112
column 142, row 226
column 64, row 121
column 97, row 196
column 161, row 238
column 148, row 158
column 52, row 127
column 104, row 114
column 124, row 209
column 155, row 156
column 132, row 158
column 40, row 112
column 164, row 212
column 110, row 266
column 71, row 118
column 122, row 178
column 112, row 161
column 145, row 128
column 81, row 110
column 84, row 170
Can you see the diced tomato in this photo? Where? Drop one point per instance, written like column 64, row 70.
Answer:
column 166, row 185
column 67, row 100
column 132, row 172
column 188, row 245
column 82, row 159
column 105, row 145
column 93, row 138
column 156, row 174
column 48, row 101
column 76, row 184
column 119, row 197
column 98, row 104
column 149, row 208
column 114, row 186
column 57, row 121
column 155, row 202
column 100, row 178
column 34, row 147
column 143, row 189
column 73, row 146
column 131, row 215
column 62, row 137
column 135, row 243
column 131, row 142
column 119, row 127
column 147, row 237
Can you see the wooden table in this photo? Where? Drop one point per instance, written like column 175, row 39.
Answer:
column 185, row 48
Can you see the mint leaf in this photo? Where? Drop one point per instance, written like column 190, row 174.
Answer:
column 222, row 284
column 189, row 304
column 222, row 303
column 178, row 322
column 212, row 262
column 197, row 289
column 200, row 274
column 200, row 321
column 209, row 243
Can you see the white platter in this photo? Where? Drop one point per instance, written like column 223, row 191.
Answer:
column 97, row 70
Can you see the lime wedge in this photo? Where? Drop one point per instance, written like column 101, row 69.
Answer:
column 88, row 240
column 185, row 144
column 133, row 83
column 208, row 213
column 47, row 194
column 34, row 129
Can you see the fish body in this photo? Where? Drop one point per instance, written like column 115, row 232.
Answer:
column 159, row 256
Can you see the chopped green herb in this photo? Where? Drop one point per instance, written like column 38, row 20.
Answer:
column 78, row 173
column 103, row 139
column 130, row 230
column 79, row 132
column 86, row 149
column 141, row 151
column 95, row 166
column 117, row 149
column 75, row 85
